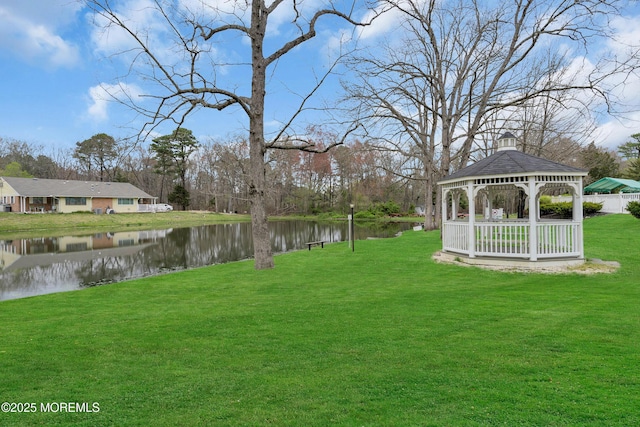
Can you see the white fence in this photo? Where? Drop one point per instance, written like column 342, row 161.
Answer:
column 611, row 203
column 511, row 239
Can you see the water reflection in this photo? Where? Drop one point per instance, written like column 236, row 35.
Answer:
column 54, row 264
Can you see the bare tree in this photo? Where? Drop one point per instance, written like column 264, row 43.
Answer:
column 432, row 91
column 228, row 164
column 197, row 81
column 31, row 158
column 138, row 167
column 551, row 126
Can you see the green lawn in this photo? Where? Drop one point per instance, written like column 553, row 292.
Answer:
column 379, row 337
column 13, row 225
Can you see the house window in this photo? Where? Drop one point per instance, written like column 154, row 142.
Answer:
column 126, row 242
column 77, row 247
column 76, row 201
column 13, row 200
column 37, row 200
column 125, row 201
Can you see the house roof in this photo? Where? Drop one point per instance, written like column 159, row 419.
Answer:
column 512, row 162
column 45, row 259
column 613, row 185
column 35, row 187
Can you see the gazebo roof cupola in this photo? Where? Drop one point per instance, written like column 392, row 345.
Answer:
column 507, row 142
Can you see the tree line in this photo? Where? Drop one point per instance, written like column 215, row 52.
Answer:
column 213, row 175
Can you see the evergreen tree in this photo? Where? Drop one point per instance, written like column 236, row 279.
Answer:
column 599, row 162
column 631, row 149
column 98, row 152
column 172, row 157
column 633, row 170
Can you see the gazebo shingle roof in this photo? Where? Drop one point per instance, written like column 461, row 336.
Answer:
column 511, row 162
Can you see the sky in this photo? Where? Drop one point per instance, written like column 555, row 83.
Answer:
column 57, row 67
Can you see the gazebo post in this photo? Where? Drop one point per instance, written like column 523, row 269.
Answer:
column 472, row 219
column 455, row 204
column 443, row 205
column 488, row 214
column 533, row 232
column 578, row 215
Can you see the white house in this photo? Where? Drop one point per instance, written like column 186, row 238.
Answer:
column 57, row 195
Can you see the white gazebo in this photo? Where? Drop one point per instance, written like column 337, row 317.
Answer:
column 491, row 238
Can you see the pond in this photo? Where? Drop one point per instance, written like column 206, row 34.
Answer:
column 37, row 266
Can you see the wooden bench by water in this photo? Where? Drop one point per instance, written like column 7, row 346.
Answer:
column 318, row 243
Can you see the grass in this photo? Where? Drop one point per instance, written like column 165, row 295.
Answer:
column 379, row 337
column 14, row 225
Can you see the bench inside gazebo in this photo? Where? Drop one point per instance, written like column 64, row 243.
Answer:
column 492, row 238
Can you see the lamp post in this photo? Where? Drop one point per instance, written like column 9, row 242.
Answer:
column 352, row 229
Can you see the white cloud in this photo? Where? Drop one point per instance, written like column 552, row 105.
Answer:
column 615, row 132
column 624, row 87
column 334, row 44
column 29, row 31
column 386, row 22
column 103, row 94
column 627, row 30
column 52, row 13
column 214, row 9
column 142, row 18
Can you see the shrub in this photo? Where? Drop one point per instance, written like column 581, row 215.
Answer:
column 545, row 200
column 378, row 210
column 590, row 208
column 546, row 206
column 565, row 209
column 634, row 209
column 364, row 215
column 387, row 208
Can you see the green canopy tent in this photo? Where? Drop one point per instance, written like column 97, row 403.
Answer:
column 613, row 185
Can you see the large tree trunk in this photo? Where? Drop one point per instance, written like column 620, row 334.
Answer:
column 257, row 185
column 429, row 223
column 259, row 225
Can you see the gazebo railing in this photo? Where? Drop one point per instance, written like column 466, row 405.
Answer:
column 455, row 236
column 512, row 239
column 502, row 239
column 558, row 239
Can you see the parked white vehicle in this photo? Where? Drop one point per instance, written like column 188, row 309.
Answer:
column 162, row 207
